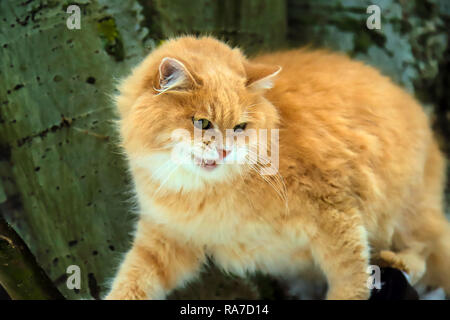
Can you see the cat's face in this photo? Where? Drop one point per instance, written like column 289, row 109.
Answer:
column 190, row 127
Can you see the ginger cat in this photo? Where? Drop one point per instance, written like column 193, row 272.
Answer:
column 359, row 177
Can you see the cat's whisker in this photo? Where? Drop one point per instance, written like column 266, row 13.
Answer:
column 197, row 176
column 260, row 216
column 161, row 148
column 277, row 176
column 243, row 181
column 254, row 105
column 278, row 183
column 166, row 179
column 160, row 170
column 257, row 168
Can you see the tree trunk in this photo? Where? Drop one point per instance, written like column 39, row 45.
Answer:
column 20, row 274
column 63, row 184
column 64, row 187
column 254, row 25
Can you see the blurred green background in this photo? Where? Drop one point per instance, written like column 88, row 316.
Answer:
column 63, row 183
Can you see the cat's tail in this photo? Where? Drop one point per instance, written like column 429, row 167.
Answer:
column 438, row 263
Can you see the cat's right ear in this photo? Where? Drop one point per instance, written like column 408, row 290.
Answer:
column 173, row 75
column 260, row 76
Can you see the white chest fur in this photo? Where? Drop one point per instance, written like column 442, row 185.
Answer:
column 236, row 244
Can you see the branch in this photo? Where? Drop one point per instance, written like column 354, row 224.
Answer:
column 20, row 274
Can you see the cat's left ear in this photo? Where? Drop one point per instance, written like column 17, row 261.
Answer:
column 260, row 76
column 173, row 75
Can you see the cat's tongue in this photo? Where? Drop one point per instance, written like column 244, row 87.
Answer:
column 209, row 165
column 206, row 164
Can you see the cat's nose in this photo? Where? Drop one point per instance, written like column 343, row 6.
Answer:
column 223, row 153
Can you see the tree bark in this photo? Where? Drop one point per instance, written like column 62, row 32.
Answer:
column 64, row 187
column 253, row 25
column 20, row 274
column 63, row 183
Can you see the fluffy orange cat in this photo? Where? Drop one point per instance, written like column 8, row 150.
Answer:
column 357, row 177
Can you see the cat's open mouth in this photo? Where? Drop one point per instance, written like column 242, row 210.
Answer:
column 205, row 163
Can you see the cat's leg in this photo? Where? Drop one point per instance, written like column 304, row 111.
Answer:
column 340, row 246
column 155, row 265
column 420, row 232
column 438, row 263
column 410, row 261
column 434, row 223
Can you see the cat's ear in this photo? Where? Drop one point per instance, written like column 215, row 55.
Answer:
column 260, row 76
column 173, row 75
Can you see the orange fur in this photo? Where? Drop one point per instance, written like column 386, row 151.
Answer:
column 360, row 177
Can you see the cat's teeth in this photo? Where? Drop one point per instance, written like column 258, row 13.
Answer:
column 205, row 163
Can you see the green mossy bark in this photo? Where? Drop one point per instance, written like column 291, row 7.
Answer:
column 20, row 274
column 254, row 25
column 64, row 186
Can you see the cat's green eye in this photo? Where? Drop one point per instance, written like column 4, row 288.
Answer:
column 240, row 127
column 203, row 124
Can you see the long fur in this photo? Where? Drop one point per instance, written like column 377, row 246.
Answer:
column 360, row 176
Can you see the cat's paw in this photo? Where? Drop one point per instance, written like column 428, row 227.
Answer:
column 351, row 288
column 348, row 293
column 126, row 293
column 408, row 262
column 391, row 259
